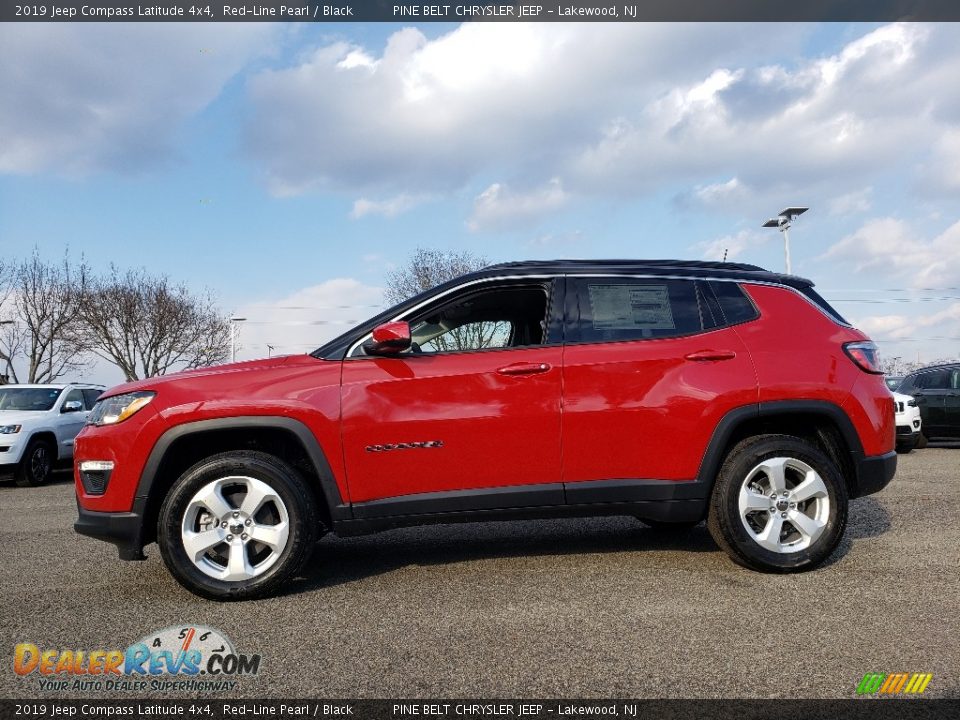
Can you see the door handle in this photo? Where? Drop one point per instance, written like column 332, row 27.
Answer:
column 710, row 355
column 524, row 368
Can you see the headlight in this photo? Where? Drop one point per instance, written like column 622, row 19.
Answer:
column 912, row 403
column 9, row 429
column 116, row 409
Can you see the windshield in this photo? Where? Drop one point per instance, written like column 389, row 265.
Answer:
column 28, row 398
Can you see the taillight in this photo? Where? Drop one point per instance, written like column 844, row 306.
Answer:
column 865, row 355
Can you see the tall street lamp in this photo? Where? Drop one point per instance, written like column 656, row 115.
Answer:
column 234, row 329
column 782, row 223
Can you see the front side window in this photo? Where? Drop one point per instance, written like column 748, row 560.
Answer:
column 90, row 396
column 75, row 395
column 622, row 308
column 506, row 316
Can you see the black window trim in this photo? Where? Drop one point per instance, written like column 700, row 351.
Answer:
column 559, row 322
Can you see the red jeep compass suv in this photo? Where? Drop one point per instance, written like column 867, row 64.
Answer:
column 670, row 391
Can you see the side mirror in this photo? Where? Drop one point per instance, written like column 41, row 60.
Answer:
column 390, row 338
column 72, row 406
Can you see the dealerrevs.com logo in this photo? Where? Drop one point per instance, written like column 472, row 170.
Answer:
column 177, row 658
column 903, row 683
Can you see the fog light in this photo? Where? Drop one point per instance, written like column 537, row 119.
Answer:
column 95, row 474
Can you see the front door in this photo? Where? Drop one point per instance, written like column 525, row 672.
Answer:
column 951, row 405
column 470, row 414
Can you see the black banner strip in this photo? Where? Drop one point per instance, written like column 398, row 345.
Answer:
column 406, row 11
column 873, row 708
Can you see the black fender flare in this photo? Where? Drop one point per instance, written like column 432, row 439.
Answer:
column 339, row 510
column 713, row 457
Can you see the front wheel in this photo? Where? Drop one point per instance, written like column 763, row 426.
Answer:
column 36, row 467
column 779, row 504
column 237, row 525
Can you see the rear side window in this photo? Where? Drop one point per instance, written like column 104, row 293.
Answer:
column 736, row 306
column 933, row 380
column 623, row 308
column 815, row 298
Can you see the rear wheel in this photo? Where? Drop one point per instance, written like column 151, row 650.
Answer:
column 779, row 504
column 237, row 525
column 921, row 441
column 36, row 466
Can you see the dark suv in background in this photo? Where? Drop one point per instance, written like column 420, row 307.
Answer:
column 937, row 392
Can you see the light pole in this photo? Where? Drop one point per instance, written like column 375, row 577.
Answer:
column 234, row 329
column 269, row 350
column 782, row 223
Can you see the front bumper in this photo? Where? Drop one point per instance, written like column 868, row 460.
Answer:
column 123, row 529
column 907, row 430
column 874, row 473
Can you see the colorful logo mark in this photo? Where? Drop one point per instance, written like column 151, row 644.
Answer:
column 894, row 683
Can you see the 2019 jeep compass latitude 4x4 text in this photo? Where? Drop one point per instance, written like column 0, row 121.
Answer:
column 670, row 391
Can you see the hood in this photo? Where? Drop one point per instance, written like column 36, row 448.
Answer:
column 15, row 417
column 247, row 366
column 900, row 397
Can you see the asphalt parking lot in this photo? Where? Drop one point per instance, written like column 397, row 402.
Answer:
column 572, row 608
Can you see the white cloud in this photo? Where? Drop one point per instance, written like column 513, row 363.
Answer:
column 83, row 97
column 518, row 98
column 502, row 208
column 891, row 246
column 719, row 194
column 733, row 246
column 307, row 318
column 852, row 203
column 388, row 208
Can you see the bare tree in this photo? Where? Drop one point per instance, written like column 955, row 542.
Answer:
column 428, row 268
column 42, row 301
column 9, row 346
column 146, row 326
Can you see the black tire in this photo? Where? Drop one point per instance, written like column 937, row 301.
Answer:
column 36, row 466
column 283, row 480
column 727, row 528
column 921, row 442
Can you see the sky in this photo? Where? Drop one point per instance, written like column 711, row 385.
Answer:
column 289, row 167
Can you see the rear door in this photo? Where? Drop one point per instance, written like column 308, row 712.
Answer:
column 649, row 370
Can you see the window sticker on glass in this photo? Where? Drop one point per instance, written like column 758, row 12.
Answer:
column 631, row 307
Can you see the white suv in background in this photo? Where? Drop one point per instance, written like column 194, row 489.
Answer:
column 908, row 422
column 37, row 426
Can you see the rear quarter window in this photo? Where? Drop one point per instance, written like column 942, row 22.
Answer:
column 814, row 297
column 734, row 304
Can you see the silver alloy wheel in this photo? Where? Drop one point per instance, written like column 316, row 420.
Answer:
column 784, row 505
column 235, row 528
